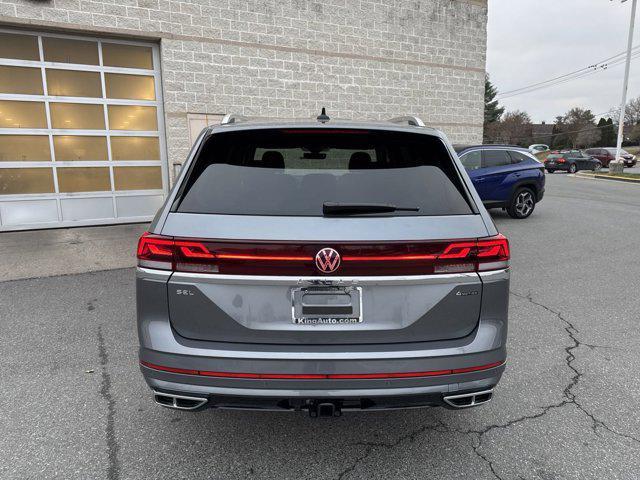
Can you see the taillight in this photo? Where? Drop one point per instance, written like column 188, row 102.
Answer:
column 155, row 251
column 378, row 259
column 167, row 253
column 481, row 255
column 493, row 253
column 561, row 160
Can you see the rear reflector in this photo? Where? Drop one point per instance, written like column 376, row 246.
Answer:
column 320, row 376
column 372, row 259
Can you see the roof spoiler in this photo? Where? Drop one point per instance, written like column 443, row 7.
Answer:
column 410, row 119
column 230, row 118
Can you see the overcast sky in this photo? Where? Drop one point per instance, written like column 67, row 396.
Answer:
column 530, row 41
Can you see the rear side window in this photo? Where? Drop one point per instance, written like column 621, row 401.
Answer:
column 517, row 157
column 295, row 171
column 495, row 158
column 472, row 160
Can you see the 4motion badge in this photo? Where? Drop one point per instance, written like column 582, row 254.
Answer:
column 466, row 294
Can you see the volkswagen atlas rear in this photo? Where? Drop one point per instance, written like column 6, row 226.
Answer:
column 322, row 266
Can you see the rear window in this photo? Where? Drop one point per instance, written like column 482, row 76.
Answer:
column 554, row 155
column 295, row 171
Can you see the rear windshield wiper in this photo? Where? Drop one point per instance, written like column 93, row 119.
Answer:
column 333, row 208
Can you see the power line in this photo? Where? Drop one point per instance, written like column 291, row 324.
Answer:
column 590, row 67
column 590, row 70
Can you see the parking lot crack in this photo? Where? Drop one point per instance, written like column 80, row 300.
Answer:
column 113, row 469
column 370, row 446
column 570, row 357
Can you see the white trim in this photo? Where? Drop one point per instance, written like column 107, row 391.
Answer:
column 79, row 223
column 19, row 97
column 53, row 196
column 82, row 163
column 12, row 62
column 70, row 131
column 107, row 133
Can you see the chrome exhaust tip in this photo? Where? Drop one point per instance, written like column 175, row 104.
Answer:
column 466, row 400
column 179, row 402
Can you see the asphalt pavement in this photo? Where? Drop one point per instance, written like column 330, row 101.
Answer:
column 74, row 405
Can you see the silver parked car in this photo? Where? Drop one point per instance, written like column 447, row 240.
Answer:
column 322, row 266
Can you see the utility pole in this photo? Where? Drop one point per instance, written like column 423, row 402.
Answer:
column 618, row 164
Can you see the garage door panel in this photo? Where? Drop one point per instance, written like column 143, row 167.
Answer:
column 28, row 212
column 21, row 80
column 16, row 114
column 24, row 148
column 141, row 205
column 82, row 135
column 16, row 181
column 74, row 209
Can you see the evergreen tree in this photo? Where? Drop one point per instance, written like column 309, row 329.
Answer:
column 492, row 111
column 609, row 134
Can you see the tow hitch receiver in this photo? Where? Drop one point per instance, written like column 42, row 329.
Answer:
column 324, row 409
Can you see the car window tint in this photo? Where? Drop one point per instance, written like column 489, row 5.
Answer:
column 472, row 160
column 495, row 158
column 517, row 157
column 295, row 171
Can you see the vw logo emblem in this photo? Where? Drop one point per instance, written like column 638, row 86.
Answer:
column 327, row 260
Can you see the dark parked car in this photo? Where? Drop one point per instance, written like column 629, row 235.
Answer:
column 606, row 155
column 571, row 161
column 507, row 177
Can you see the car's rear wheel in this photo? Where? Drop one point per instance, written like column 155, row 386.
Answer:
column 522, row 204
column 573, row 168
column 550, row 170
column 597, row 167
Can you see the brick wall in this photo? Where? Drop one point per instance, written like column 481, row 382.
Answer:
column 284, row 58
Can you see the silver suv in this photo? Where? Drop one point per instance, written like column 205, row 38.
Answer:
column 322, row 266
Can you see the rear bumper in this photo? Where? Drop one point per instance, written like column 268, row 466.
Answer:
column 235, row 392
column 557, row 166
column 348, row 393
column 353, row 377
column 349, row 397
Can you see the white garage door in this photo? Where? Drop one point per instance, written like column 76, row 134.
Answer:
column 81, row 131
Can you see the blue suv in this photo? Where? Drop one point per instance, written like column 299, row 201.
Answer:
column 506, row 177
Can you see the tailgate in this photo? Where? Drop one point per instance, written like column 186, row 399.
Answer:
column 382, row 302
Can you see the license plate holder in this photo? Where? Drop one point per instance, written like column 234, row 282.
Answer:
column 324, row 305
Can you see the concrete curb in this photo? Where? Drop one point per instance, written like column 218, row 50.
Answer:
column 607, row 177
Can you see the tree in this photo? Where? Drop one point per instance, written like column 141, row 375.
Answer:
column 515, row 127
column 578, row 127
column 608, row 134
column 492, row 111
column 635, row 134
column 631, row 112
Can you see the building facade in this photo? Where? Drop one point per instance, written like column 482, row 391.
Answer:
column 100, row 100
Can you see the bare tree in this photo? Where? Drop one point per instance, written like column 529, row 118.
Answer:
column 631, row 112
column 515, row 127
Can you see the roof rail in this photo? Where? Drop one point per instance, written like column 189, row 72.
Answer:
column 410, row 119
column 232, row 118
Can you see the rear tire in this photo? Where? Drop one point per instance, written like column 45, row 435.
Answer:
column 573, row 168
column 597, row 167
column 550, row 170
column 522, row 204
